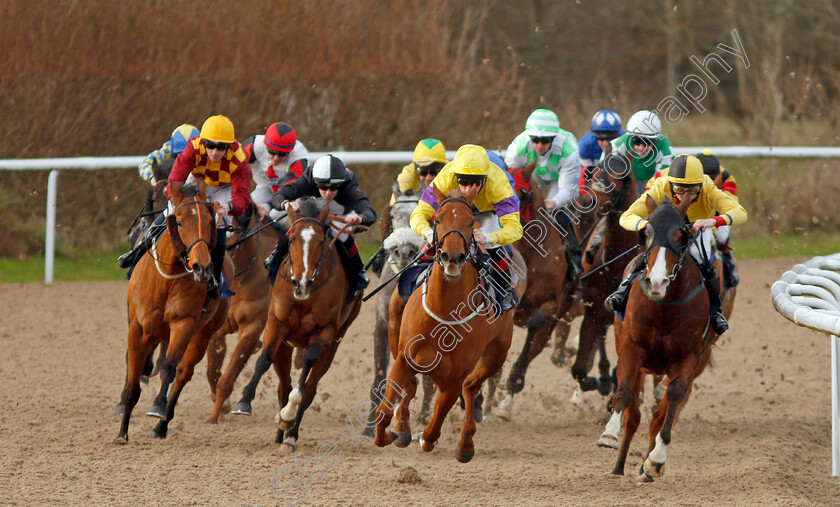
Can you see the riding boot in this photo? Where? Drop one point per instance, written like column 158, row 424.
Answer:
column 716, row 318
column 572, row 246
column 500, row 273
column 131, row 257
column 596, row 245
column 217, row 258
column 614, row 300
column 730, row 274
column 272, row 262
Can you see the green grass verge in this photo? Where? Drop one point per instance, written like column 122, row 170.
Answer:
column 96, row 266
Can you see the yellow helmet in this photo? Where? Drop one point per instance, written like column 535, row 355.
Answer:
column 686, row 171
column 429, row 151
column 470, row 164
column 218, row 128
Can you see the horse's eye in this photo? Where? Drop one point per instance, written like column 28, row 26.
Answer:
column 178, row 222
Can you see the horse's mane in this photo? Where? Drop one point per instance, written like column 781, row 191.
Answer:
column 309, row 208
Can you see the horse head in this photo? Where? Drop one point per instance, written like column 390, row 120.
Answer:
column 613, row 185
column 667, row 245
column 307, row 238
column 453, row 228
column 192, row 229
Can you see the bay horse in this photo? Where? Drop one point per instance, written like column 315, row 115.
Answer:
column 402, row 245
column 248, row 312
column 310, row 310
column 549, row 292
column 448, row 330
column 665, row 332
column 615, row 189
column 166, row 301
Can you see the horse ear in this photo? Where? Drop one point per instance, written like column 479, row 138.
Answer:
column 202, row 189
column 528, row 171
column 438, row 194
column 325, row 212
column 651, row 204
column 292, row 214
column 682, row 207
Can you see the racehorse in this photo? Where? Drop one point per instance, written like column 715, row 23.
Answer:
column 614, row 187
column 665, row 331
column 248, row 312
column 166, row 300
column 549, row 291
column 458, row 354
column 402, row 245
column 309, row 309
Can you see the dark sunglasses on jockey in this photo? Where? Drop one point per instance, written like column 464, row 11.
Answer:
column 605, row 135
column 468, row 180
column 542, row 140
column 433, row 169
column 328, row 185
column 213, row 145
column 637, row 140
column 275, row 153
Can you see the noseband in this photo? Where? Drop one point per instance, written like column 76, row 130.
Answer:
column 324, row 254
column 438, row 240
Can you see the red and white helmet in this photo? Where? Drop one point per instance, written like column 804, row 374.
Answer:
column 280, row 137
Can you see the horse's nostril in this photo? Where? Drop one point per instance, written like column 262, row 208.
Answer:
column 461, row 259
column 444, row 257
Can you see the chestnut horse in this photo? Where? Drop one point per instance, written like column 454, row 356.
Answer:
column 665, row 332
column 614, row 187
column 549, row 291
column 309, row 309
column 459, row 354
column 166, row 300
column 248, row 313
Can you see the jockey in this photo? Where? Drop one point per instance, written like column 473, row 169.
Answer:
column 726, row 182
column 218, row 159
column 606, row 126
column 645, row 146
column 167, row 153
column 557, row 171
column 277, row 158
column 494, row 204
column 710, row 207
column 429, row 158
column 330, row 180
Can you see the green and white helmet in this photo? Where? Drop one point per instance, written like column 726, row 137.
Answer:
column 542, row 123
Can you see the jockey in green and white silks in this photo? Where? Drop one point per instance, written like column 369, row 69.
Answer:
column 645, row 146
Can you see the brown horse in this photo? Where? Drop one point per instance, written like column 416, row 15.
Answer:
column 549, row 291
column 310, row 310
column 449, row 330
column 614, row 187
column 665, row 331
column 248, row 312
column 166, row 295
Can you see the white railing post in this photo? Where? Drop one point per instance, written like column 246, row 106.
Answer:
column 835, row 407
column 49, row 254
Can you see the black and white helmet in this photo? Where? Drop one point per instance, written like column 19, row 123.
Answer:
column 329, row 172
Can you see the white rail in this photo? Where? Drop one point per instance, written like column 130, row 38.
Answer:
column 350, row 157
column 809, row 295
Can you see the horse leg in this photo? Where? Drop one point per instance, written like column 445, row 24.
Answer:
column 540, row 324
column 216, row 351
column 400, row 375
column 282, row 367
column 381, row 358
column 447, row 396
column 492, row 383
column 181, row 332
column 428, row 393
column 403, row 426
column 658, row 390
column 248, row 337
column 605, row 380
column 626, row 398
column 195, row 351
column 592, row 329
column 675, row 393
column 561, row 336
column 131, row 390
column 275, row 333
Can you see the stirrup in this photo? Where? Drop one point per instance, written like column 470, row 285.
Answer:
column 124, row 260
column 719, row 323
column 268, row 260
column 612, row 302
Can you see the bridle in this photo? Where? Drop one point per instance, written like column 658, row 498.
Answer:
column 438, row 240
column 182, row 251
column 680, row 252
column 325, row 252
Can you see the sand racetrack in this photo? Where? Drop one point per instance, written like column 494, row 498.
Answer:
column 757, row 429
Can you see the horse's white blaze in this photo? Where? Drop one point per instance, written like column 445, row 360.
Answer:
column 307, row 234
column 192, row 211
column 289, row 412
column 613, row 425
column 659, row 274
column 657, row 455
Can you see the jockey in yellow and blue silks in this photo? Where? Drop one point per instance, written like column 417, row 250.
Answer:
column 495, row 206
column 165, row 155
column 710, row 207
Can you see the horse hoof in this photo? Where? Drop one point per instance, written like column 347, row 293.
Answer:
column 367, row 432
column 643, row 477
column 577, row 397
column 226, row 407
column 608, row 441
column 119, row 410
column 144, row 379
column 464, row 457
column 427, row 446
column 604, row 388
column 155, row 411
column 242, row 408
column 402, row 439
column 652, row 469
column 121, row 440
column 287, row 448
column 211, row 421
column 505, row 409
column 478, row 415
column 154, row 434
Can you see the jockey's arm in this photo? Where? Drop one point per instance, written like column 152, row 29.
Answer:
column 240, row 182
column 635, row 218
column 289, row 192
column 731, row 212
column 511, row 230
column 419, row 220
column 506, row 206
column 407, row 179
column 568, row 180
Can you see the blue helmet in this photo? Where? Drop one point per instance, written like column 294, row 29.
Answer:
column 180, row 136
column 606, row 120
